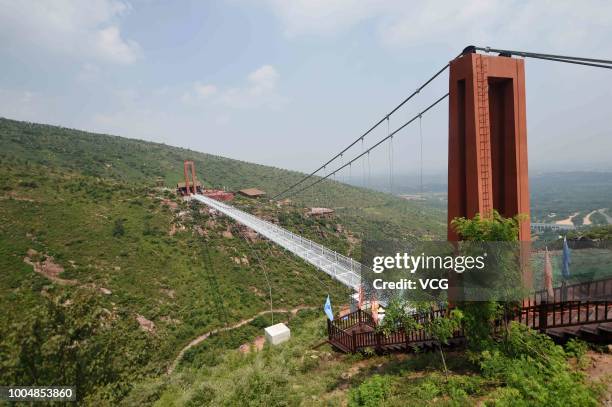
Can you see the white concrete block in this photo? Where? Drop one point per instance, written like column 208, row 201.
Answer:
column 276, row 334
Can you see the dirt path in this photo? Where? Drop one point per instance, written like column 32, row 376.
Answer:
column 600, row 371
column 205, row 336
column 602, row 211
column 568, row 221
column 587, row 219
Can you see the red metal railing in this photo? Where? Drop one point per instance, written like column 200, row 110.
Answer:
column 573, row 305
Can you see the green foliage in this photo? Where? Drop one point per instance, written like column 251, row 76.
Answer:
column 364, row 211
column 593, row 233
column 372, row 392
column 479, row 316
column 398, row 315
column 493, row 228
column 578, row 349
column 478, row 321
column 442, row 328
column 259, row 387
column 76, row 345
column 110, row 234
column 118, row 228
column 71, row 195
column 535, row 372
column 434, row 389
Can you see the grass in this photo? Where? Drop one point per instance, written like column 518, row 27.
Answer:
column 294, row 374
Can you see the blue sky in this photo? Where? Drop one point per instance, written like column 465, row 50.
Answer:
column 287, row 83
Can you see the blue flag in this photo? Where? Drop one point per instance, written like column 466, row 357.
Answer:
column 566, row 260
column 328, row 309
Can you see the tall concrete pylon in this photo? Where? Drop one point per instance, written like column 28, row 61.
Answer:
column 487, row 151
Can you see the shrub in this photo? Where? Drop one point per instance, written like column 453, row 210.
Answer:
column 259, row 388
column 118, row 229
column 372, row 392
column 535, row 372
column 28, row 184
column 577, row 349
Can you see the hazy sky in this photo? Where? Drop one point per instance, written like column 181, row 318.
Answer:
column 289, row 82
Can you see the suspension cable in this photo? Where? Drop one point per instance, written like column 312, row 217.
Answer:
column 413, row 94
column 262, row 266
column 375, row 145
column 598, row 63
column 594, row 62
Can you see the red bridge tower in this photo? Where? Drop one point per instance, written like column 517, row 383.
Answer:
column 487, row 154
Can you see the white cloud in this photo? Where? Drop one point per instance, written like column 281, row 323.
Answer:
column 223, row 119
column 88, row 73
column 111, row 45
column 322, row 17
column 205, row 91
column 263, row 79
column 78, row 29
column 260, row 91
column 549, row 24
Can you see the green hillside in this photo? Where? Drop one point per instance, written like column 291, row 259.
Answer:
column 105, row 278
column 109, row 157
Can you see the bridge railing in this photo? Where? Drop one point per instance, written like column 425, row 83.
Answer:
column 338, row 266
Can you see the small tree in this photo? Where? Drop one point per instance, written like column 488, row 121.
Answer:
column 441, row 329
column 479, row 316
column 118, row 229
column 399, row 315
column 494, row 228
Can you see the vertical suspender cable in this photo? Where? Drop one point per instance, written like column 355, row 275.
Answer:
column 391, row 134
column 369, row 172
column 326, row 197
column 390, row 158
column 421, row 156
column 350, row 179
column 363, row 168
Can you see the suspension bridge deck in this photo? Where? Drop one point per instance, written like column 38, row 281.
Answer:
column 340, row 267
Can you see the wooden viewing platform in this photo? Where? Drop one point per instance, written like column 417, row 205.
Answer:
column 582, row 310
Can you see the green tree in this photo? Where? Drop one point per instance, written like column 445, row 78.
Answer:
column 479, row 316
column 399, row 315
column 494, row 228
column 119, row 229
column 442, row 328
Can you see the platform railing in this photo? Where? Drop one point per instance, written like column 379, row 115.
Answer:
column 536, row 313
